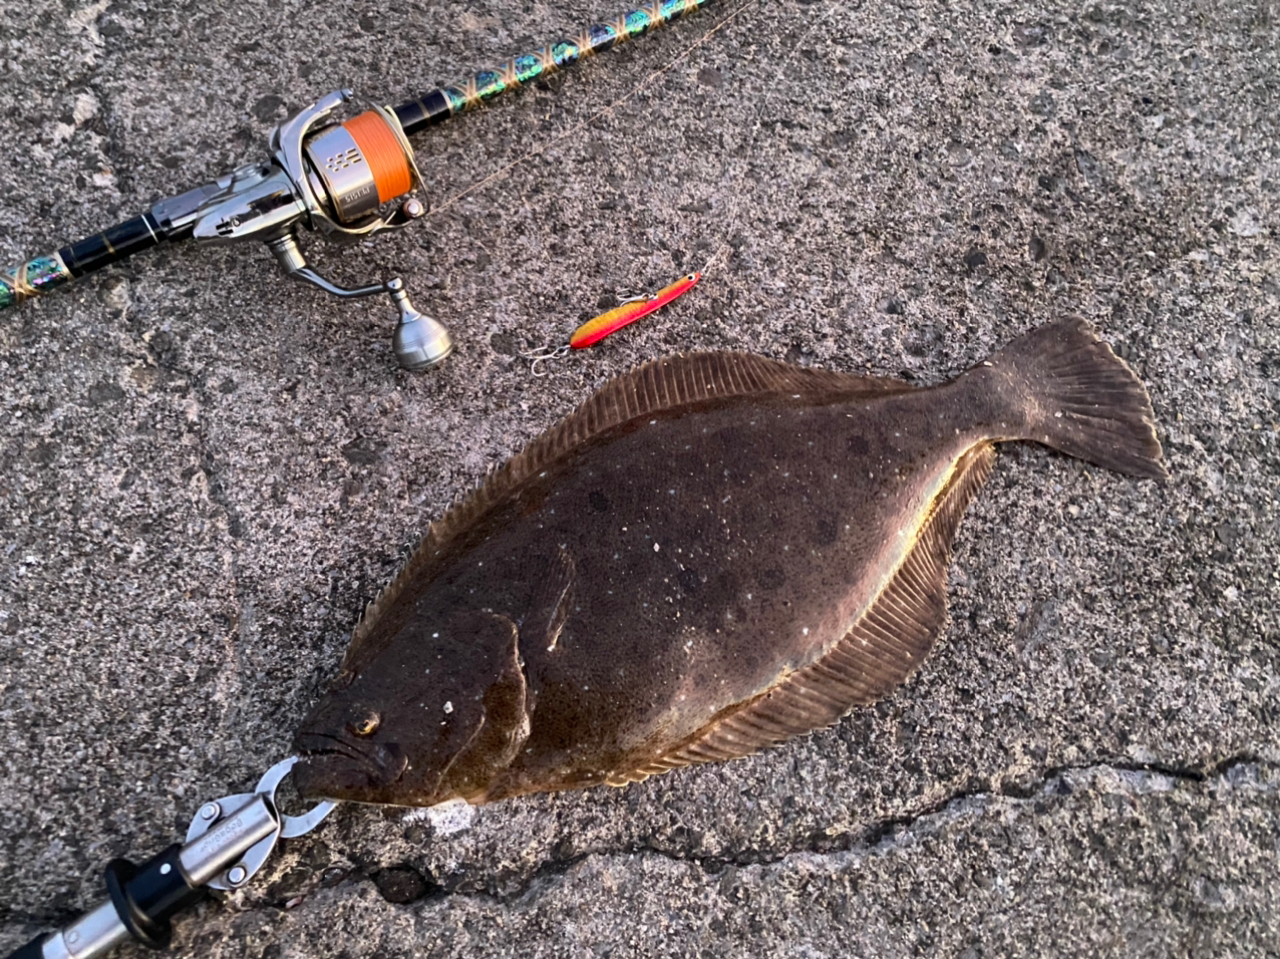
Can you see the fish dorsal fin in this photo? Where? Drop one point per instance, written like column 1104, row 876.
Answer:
column 885, row 647
column 660, row 385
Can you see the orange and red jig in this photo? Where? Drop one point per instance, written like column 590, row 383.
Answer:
column 628, row 311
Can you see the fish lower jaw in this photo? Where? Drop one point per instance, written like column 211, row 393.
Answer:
column 332, row 768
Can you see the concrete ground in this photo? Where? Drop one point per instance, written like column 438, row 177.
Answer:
column 205, row 470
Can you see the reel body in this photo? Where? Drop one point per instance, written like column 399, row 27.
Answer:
column 333, row 178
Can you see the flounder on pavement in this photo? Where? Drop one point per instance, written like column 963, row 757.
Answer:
column 714, row 553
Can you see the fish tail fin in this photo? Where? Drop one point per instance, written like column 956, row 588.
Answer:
column 1079, row 397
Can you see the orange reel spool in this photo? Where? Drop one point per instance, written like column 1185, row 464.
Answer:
column 361, row 164
column 383, row 152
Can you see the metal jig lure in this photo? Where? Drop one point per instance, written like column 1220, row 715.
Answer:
column 596, row 329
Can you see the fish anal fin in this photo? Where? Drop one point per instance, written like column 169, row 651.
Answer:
column 887, row 645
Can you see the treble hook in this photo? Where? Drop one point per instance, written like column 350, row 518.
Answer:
column 542, row 355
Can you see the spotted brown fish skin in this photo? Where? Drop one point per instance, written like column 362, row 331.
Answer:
column 715, row 553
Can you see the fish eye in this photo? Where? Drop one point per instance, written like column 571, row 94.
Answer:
column 366, row 726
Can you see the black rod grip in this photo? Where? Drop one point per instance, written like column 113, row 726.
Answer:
column 44, row 273
column 111, row 245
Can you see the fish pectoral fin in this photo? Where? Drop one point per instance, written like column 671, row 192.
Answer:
column 498, row 703
column 881, row 651
column 549, row 605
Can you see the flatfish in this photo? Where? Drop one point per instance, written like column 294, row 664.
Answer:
column 714, row 553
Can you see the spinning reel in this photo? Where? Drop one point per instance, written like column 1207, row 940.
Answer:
column 336, row 179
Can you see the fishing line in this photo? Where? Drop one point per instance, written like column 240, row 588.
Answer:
column 738, row 195
column 589, row 121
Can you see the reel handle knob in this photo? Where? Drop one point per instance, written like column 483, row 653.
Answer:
column 419, row 341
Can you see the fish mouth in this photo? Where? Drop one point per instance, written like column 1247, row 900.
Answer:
column 335, row 767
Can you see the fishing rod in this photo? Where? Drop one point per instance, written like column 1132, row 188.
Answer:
column 344, row 180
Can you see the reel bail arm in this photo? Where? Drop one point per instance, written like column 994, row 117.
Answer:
column 227, row 843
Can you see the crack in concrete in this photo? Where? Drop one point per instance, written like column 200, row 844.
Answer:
column 877, row 837
column 244, row 619
column 884, row 832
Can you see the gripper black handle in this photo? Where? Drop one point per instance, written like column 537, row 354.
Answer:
column 144, row 900
column 32, row 950
column 147, row 897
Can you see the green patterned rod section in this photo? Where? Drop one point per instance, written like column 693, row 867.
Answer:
column 444, row 102
column 33, row 278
